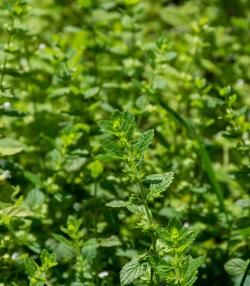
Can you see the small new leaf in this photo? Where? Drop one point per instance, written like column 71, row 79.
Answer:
column 48, row 259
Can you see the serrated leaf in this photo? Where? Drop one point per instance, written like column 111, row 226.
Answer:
column 48, row 259
column 9, row 147
column 158, row 188
column 89, row 249
column 193, row 265
column 106, row 125
column 135, row 209
column 143, row 141
column 235, row 266
column 187, row 237
column 131, row 271
column 128, row 124
column 112, row 147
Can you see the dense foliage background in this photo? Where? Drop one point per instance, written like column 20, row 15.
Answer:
column 182, row 68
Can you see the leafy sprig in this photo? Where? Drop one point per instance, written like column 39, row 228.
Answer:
column 167, row 259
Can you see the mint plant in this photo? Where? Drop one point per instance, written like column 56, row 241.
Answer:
column 166, row 262
column 37, row 273
column 181, row 66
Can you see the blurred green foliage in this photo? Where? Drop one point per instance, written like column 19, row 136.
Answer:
column 182, row 68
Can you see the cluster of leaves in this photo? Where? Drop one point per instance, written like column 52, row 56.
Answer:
column 167, row 260
column 181, row 70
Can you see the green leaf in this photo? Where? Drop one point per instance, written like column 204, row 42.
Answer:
column 33, row 178
column 131, row 271
column 241, row 111
column 193, row 265
column 6, row 192
column 35, row 198
column 243, row 222
column 157, row 188
column 170, row 56
column 112, row 147
column 89, row 250
column 117, row 204
column 135, row 209
column 153, row 179
column 109, row 242
column 128, row 124
column 9, row 147
column 243, row 203
column 106, row 125
column 48, row 259
column 91, row 92
column 96, row 168
column 64, row 241
column 143, row 141
column 236, row 266
column 15, row 211
column 30, row 266
column 122, row 124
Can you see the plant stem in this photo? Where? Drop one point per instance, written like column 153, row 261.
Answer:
column 148, row 213
column 149, row 217
column 245, row 274
column 95, row 209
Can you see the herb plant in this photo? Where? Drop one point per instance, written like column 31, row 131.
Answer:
column 166, row 262
column 85, row 197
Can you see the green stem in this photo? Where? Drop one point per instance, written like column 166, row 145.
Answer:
column 148, row 214
column 245, row 274
column 95, row 209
